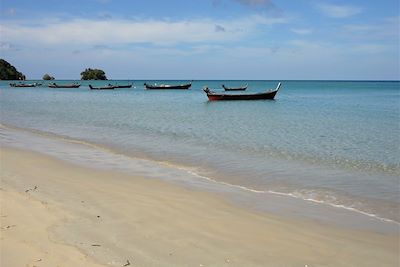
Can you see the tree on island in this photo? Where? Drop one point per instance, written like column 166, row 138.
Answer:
column 93, row 74
column 9, row 72
column 47, row 77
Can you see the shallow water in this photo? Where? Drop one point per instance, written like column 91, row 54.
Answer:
column 332, row 142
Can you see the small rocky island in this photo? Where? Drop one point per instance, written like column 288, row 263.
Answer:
column 93, row 74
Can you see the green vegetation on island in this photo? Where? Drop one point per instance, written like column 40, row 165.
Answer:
column 9, row 72
column 93, row 74
column 47, row 77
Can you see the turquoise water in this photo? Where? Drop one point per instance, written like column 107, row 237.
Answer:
column 332, row 142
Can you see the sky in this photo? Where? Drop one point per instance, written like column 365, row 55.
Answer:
column 203, row 39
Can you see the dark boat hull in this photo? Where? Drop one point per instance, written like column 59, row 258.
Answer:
column 168, row 87
column 102, row 88
column 123, row 86
column 64, row 85
column 22, row 85
column 212, row 96
column 215, row 97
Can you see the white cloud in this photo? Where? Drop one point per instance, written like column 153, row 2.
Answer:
column 254, row 2
column 92, row 32
column 302, row 31
column 339, row 11
column 370, row 48
column 297, row 59
column 383, row 29
column 5, row 46
column 333, row 51
column 11, row 11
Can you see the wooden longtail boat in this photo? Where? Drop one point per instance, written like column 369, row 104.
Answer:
column 212, row 96
column 108, row 87
column 24, row 84
column 242, row 88
column 123, row 86
column 72, row 85
column 168, row 86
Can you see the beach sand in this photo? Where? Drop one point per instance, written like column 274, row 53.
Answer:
column 54, row 213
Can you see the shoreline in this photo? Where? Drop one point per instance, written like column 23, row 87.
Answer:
column 97, row 156
column 154, row 223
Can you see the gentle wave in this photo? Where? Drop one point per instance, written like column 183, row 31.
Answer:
column 292, row 195
column 192, row 172
column 334, row 205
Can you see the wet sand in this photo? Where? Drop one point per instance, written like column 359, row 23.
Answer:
column 54, row 213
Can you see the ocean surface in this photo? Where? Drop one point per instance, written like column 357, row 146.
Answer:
column 336, row 143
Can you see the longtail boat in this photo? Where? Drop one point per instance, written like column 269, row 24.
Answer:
column 242, row 88
column 72, row 85
column 108, row 87
column 23, row 84
column 270, row 94
column 123, row 86
column 168, row 86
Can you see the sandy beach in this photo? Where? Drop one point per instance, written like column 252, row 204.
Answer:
column 54, row 213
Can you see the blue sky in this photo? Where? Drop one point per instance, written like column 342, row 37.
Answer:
column 203, row 39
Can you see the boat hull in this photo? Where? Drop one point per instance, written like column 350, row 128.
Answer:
column 22, row 85
column 102, row 88
column 123, row 86
column 168, row 87
column 64, row 86
column 261, row 96
column 212, row 96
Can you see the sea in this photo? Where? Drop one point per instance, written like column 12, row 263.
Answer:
column 320, row 145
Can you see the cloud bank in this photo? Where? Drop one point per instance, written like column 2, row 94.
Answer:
column 339, row 11
column 91, row 32
column 255, row 2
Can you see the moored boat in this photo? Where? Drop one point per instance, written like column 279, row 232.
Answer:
column 168, row 86
column 108, row 87
column 123, row 86
column 242, row 88
column 24, row 84
column 213, row 96
column 72, row 85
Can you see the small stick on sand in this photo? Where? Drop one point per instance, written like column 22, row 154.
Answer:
column 127, row 263
column 96, row 245
column 31, row 189
column 9, row 226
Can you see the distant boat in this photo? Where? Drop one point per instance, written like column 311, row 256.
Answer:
column 72, row 85
column 168, row 86
column 242, row 88
column 24, row 84
column 123, row 86
column 212, row 96
column 108, row 87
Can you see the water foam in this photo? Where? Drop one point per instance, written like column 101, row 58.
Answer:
column 292, row 195
column 193, row 172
